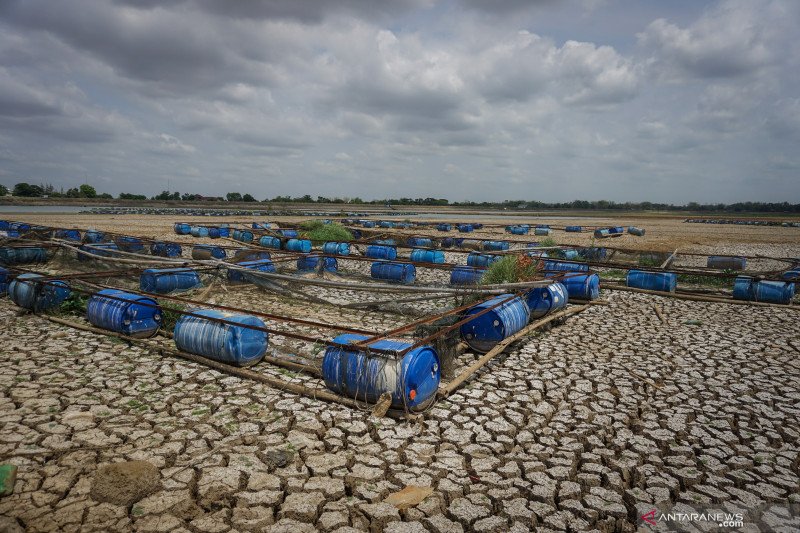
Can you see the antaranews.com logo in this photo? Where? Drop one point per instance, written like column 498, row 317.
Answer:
column 674, row 518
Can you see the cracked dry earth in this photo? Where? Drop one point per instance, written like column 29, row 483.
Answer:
column 584, row 427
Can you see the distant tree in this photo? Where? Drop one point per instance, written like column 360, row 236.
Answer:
column 175, row 196
column 26, row 189
column 164, row 195
column 186, row 197
column 248, row 198
column 129, row 196
column 234, row 196
column 73, row 193
column 87, row 191
column 3, row 190
column 105, row 196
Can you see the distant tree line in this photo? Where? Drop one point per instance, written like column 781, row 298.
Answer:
column 88, row 191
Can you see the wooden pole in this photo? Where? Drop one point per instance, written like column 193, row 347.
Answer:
column 448, row 389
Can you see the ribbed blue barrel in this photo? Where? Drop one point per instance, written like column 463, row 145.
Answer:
column 518, row 230
column 199, row 231
column 541, row 231
column 573, row 229
column 165, row 280
column 570, row 255
column 4, row 274
column 99, row 249
column 427, row 256
column 595, row 254
column 207, row 251
column 166, row 249
column 652, row 281
column 393, row 272
column 93, row 236
column 21, row 255
column 131, row 314
column 234, row 344
column 4, row 225
column 224, row 232
column 495, row 246
column 261, row 225
column 26, row 293
column 386, row 224
column 243, row 235
column 466, row 275
column 336, row 248
column 213, row 233
column 261, row 265
column 9, row 233
column 633, row 230
column 68, row 234
column 270, row 242
column 381, row 252
column 385, row 242
column 544, row 300
column 477, row 259
column 290, row 233
column 247, row 254
column 582, row 287
column 402, row 225
column 309, row 263
column 477, row 225
column 21, row 227
column 419, row 242
column 130, row 244
column 412, row 381
column 778, row 292
column 791, row 275
column 298, row 245
column 368, row 224
column 725, row 262
column 465, row 228
column 444, row 227
column 601, row 233
column 484, row 332
column 616, row 229
column 181, row 228
column 447, row 242
column 566, row 267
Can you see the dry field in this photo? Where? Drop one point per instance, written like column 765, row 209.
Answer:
column 587, row 426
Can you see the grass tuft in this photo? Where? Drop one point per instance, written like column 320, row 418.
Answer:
column 317, row 232
column 510, row 269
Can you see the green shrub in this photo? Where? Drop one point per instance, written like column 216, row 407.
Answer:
column 548, row 241
column 75, row 304
column 510, row 269
column 170, row 313
column 317, row 232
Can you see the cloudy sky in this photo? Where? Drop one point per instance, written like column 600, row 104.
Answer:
column 674, row 101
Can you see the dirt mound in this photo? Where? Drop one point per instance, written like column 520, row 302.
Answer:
column 125, row 483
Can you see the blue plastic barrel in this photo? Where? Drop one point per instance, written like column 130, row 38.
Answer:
column 725, row 262
column 21, row 227
column 234, row 344
column 582, row 287
column 495, row 246
column 544, row 300
column 224, row 232
column 444, row 227
column 447, row 242
column 411, row 380
column 213, row 233
column 242, row 235
column 573, row 229
column 166, row 249
column 336, row 248
column 27, row 293
column 270, row 242
column 381, row 252
column 309, row 263
column 594, row 253
column 778, row 292
column 261, row 225
column 290, row 233
column 368, row 224
column 130, row 244
column 4, row 275
column 21, row 255
column 261, row 265
column 298, row 245
column 791, row 275
column 199, row 231
column 207, row 251
column 484, row 332
column 248, row 254
column 477, row 225
column 386, row 224
column 562, row 266
column 4, row 225
column 616, row 230
column 466, row 275
column 652, row 281
column 633, row 230
column 541, row 231
column 419, row 242
column 419, row 255
column 393, row 272
column 165, row 280
column 103, row 249
column 385, row 242
column 93, row 236
column 477, row 259
column 131, row 314
column 465, row 228
column 68, row 234
column 570, row 255
column 181, row 228
column 601, row 233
